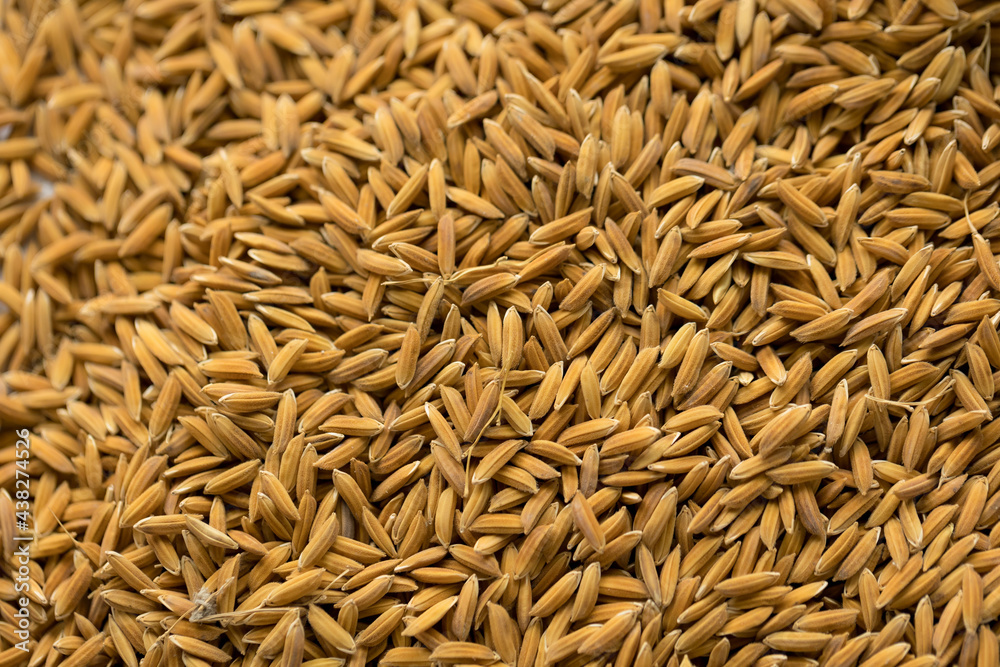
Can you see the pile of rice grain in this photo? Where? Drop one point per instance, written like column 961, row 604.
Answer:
column 522, row 332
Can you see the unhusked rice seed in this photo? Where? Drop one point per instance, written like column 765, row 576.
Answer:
column 584, row 333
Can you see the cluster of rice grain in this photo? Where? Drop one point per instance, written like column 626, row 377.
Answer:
column 523, row 332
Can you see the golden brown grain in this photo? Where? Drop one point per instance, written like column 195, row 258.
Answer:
column 489, row 332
